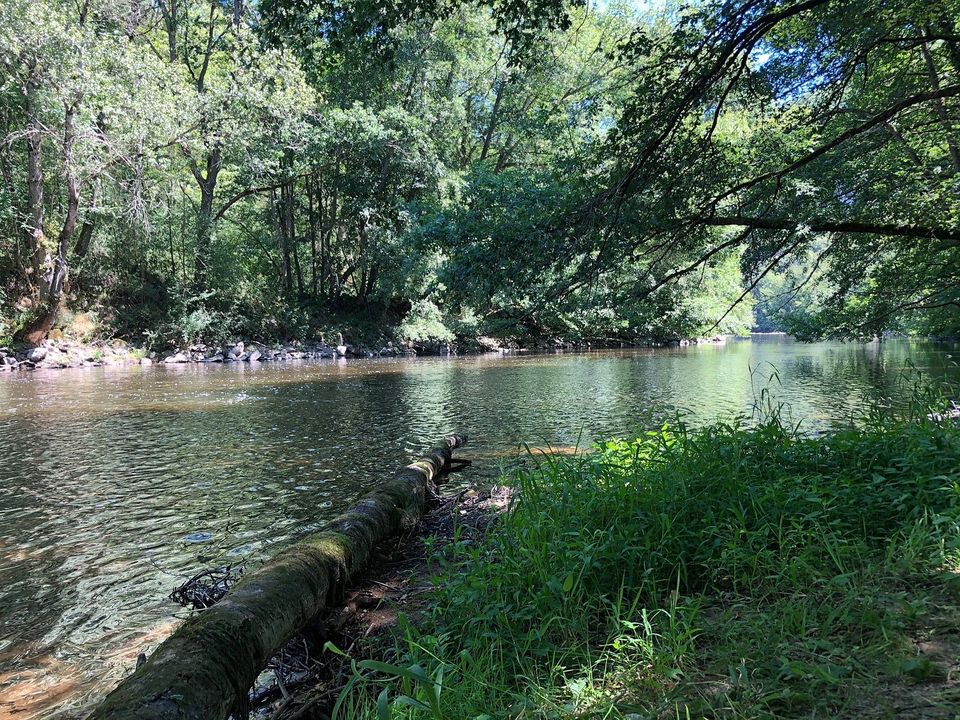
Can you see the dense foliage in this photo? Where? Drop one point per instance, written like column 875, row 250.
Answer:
column 212, row 168
column 821, row 137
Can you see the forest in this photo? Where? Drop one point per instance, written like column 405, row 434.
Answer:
column 174, row 171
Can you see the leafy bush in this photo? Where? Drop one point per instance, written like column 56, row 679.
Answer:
column 7, row 319
column 424, row 322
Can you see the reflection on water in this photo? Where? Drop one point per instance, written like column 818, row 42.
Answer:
column 116, row 483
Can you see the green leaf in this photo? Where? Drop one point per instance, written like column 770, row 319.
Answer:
column 383, row 705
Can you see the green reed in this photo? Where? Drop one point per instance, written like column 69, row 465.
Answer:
column 731, row 571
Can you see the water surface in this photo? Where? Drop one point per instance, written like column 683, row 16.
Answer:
column 118, row 483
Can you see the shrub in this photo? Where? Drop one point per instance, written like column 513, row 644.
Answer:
column 424, row 322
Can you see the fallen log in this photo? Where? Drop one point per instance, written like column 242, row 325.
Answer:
column 205, row 669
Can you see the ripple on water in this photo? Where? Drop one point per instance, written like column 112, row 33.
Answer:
column 199, row 537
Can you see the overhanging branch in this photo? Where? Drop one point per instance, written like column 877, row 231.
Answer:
column 950, row 235
column 252, row 191
column 881, row 117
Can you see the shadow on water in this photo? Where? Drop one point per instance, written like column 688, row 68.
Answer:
column 116, row 483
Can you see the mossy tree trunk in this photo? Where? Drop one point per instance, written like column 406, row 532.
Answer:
column 206, row 668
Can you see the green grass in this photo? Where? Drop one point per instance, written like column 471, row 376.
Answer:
column 725, row 572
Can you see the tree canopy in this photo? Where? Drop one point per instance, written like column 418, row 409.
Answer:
column 206, row 169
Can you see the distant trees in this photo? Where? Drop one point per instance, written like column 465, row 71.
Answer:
column 174, row 168
column 813, row 140
column 77, row 118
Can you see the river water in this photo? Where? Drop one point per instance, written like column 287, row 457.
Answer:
column 116, row 484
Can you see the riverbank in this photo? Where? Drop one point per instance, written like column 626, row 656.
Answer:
column 59, row 352
column 306, row 679
column 723, row 573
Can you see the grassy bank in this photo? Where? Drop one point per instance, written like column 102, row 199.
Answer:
column 727, row 572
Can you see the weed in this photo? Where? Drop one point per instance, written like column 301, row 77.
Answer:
column 734, row 571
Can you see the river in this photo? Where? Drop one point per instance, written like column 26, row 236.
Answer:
column 118, row 483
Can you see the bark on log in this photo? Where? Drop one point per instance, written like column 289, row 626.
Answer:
column 206, row 668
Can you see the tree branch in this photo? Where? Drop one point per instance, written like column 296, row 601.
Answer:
column 251, row 191
column 952, row 235
column 878, row 119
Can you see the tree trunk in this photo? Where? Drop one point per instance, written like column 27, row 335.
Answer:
column 205, row 669
column 86, row 229
column 58, row 274
column 173, row 256
column 204, row 231
column 328, row 227
column 288, row 191
column 312, row 216
column 494, row 118
column 208, row 186
column 503, row 157
column 169, row 12
column 299, row 272
column 14, row 225
column 364, row 260
column 946, row 26
column 84, row 238
column 279, row 217
column 36, row 241
column 56, row 269
column 372, row 280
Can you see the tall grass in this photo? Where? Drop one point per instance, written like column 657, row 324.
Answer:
column 729, row 571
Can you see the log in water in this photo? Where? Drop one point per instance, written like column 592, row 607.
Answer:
column 205, row 669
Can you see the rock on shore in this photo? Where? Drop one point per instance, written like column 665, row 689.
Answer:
column 62, row 353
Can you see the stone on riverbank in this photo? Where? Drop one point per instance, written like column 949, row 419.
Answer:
column 52, row 354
